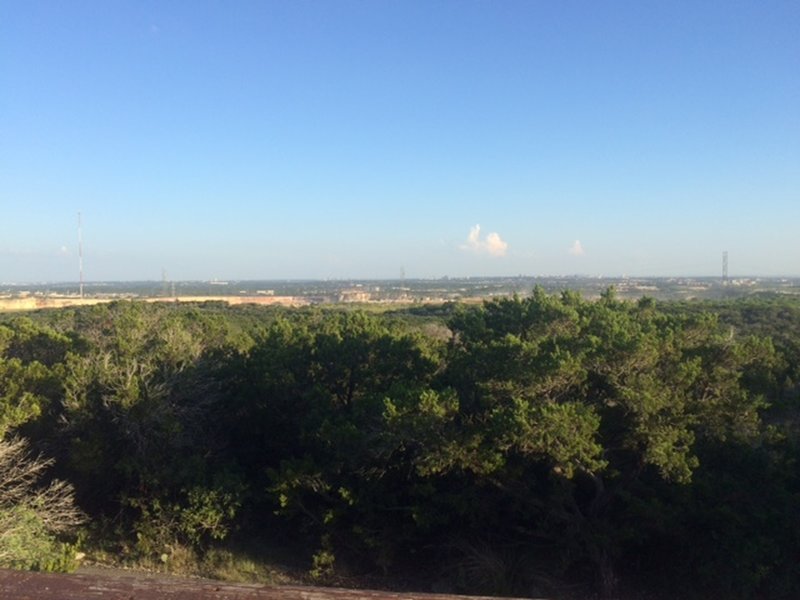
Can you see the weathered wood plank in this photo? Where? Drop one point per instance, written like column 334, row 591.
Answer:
column 25, row 585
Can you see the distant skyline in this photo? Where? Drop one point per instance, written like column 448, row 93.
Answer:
column 358, row 140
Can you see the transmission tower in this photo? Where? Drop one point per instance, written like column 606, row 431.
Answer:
column 80, row 257
column 725, row 267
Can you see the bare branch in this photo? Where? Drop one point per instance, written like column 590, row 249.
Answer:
column 20, row 486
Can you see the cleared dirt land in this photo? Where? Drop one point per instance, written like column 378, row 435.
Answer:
column 35, row 303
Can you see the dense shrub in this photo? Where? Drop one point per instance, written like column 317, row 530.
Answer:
column 516, row 447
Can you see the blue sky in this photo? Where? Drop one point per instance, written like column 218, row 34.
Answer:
column 337, row 139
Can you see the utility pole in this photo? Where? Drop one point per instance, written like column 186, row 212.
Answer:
column 725, row 267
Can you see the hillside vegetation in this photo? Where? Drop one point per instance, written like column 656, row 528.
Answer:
column 545, row 445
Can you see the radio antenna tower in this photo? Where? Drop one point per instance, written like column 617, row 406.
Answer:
column 725, row 267
column 80, row 256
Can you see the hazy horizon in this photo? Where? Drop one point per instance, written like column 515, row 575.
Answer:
column 358, row 140
column 571, row 276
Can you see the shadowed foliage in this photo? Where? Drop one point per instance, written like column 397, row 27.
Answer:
column 538, row 445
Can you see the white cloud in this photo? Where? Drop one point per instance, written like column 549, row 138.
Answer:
column 492, row 244
column 495, row 245
column 577, row 248
column 63, row 251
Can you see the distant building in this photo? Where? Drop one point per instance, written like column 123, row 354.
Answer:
column 354, row 295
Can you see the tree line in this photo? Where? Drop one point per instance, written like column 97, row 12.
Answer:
column 526, row 446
